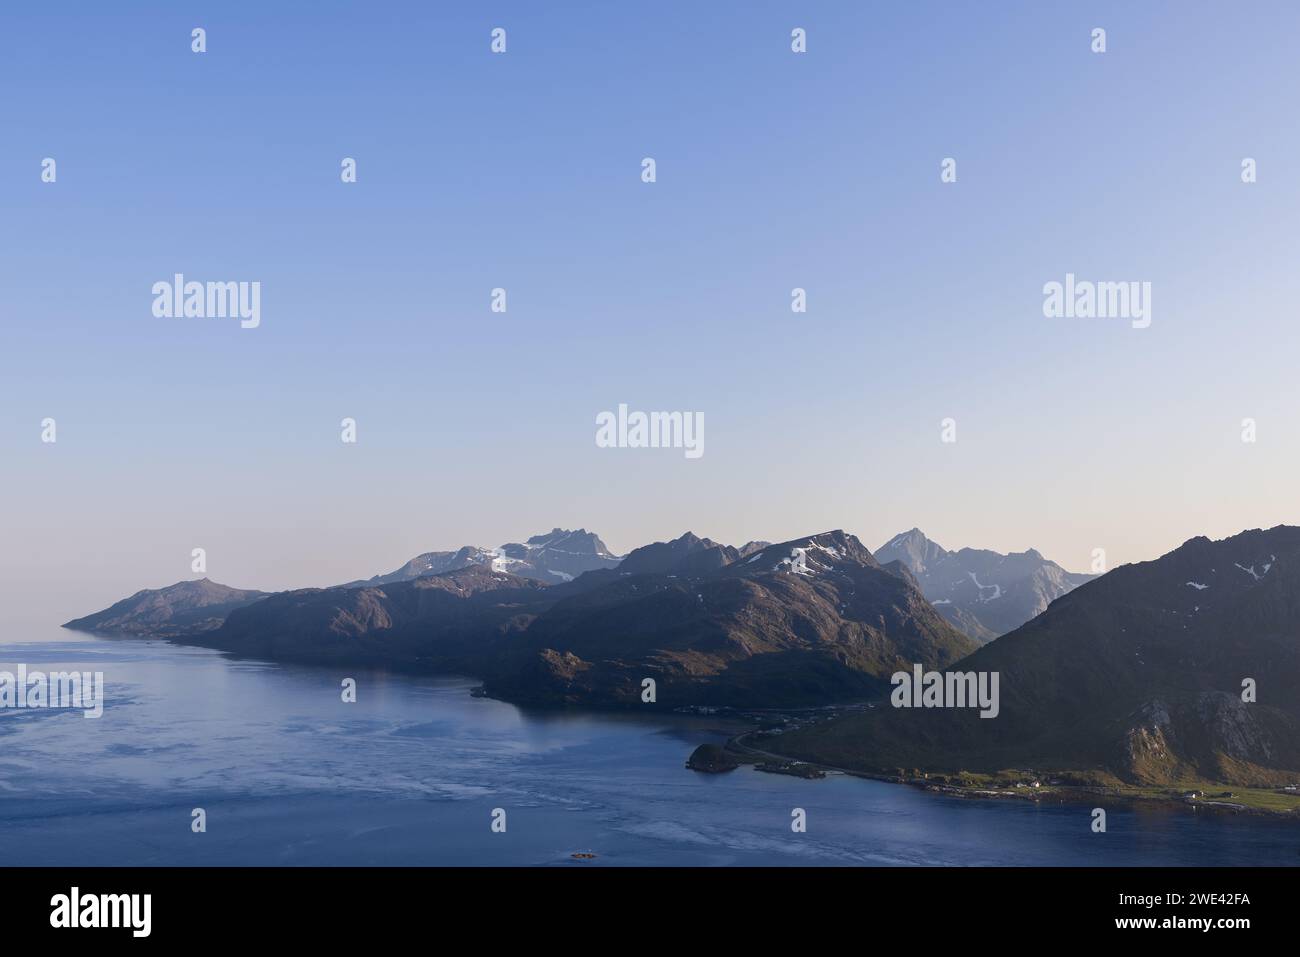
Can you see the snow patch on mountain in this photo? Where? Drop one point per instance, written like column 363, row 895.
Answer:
column 1251, row 570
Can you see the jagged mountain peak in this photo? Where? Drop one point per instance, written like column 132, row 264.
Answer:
column 810, row 554
column 688, row 554
column 913, row 549
column 553, row 557
column 983, row 592
column 579, row 540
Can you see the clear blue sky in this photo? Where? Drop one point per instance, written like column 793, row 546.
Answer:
column 775, row 170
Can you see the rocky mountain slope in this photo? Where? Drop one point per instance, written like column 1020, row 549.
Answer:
column 185, row 608
column 808, row 621
column 1138, row 674
column 984, row 593
column 453, row 621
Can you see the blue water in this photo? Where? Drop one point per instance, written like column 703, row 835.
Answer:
column 410, row 774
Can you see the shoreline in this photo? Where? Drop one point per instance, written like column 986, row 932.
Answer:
column 1154, row 796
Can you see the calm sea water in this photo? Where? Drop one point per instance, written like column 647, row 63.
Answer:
column 410, row 774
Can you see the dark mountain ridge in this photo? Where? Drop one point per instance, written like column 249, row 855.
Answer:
column 1138, row 674
column 808, row 621
column 185, row 608
column 804, row 622
column 449, row 621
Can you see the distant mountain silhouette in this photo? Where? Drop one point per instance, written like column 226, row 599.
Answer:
column 558, row 556
column 687, row 555
column 185, row 608
column 982, row 592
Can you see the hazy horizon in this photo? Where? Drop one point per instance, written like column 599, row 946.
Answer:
column 621, row 552
column 775, row 170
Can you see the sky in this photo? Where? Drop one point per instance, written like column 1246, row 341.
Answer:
column 522, row 171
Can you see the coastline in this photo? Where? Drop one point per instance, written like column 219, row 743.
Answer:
column 1268, row 802
column 1155, row 796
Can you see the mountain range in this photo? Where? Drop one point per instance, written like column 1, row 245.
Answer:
column 1138, row 674
column 808, row 621
column 984, row 593
column 561, row 555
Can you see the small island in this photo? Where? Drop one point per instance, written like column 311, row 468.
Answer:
column 711, row 759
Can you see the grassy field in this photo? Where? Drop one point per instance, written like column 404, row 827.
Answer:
column 1066, row 786
column 1208, row 794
